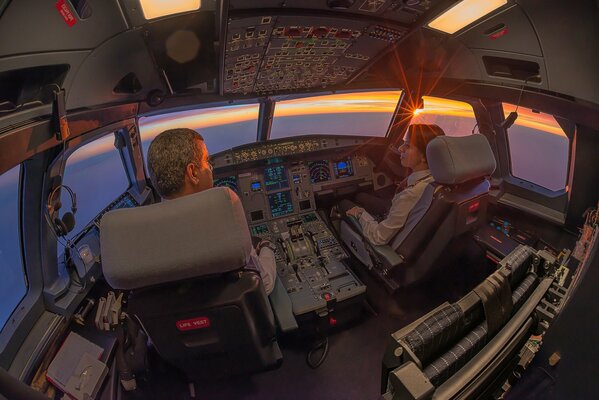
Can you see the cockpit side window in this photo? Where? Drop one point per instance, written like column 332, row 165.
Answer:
column 355, row 114
column 539, row 148
column 456, row 118
column 221, row 127
column 13, row 285
column 97, row 176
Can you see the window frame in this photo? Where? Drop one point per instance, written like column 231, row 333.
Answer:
column 529, row 185
column 20, row 236
column 197, row 107
column 70, row 150
column 31, row 307
column 517, row 193
column 55, row 275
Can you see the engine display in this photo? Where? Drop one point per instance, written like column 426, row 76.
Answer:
column 319, row 171
column 343, row 168
column 228, row 181
column 275, row 178
column 280, row 204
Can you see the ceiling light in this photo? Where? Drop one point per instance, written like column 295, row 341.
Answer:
column 160, row 8
column 464, row 13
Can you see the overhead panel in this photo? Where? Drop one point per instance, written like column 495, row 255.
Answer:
column 402, row 11
column 273, row 53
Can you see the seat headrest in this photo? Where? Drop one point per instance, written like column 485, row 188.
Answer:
column 455, row 160
column 196, row 235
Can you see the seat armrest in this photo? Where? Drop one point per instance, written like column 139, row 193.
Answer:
column 385, row 253
column 354, row 223
column 389, row 257
column 282, row 307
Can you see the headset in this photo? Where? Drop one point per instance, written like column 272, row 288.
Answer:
column 66, row 223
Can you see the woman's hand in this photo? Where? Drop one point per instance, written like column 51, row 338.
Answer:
column 355, row 212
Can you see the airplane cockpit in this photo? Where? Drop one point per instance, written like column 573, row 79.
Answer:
column 485, row 290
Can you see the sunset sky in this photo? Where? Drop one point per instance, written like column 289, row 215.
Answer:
column 540, row 121
column 438, row 106
column 365, row 102
column 294, row 112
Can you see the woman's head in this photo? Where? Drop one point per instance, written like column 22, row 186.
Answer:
column 413, row 149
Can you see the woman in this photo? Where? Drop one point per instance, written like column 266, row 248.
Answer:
column 413, row 157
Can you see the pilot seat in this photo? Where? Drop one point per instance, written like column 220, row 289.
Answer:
column 193, row 285
column 452, row 205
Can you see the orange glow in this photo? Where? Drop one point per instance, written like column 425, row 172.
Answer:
column 95, row 148
column 363, row 102
column 160, row 8
column 438, row 106
column 539, row 121
column 198, row 119
column 463, row 14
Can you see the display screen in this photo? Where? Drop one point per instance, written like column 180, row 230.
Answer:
column 280, row 204
column 343, row 168
column 228, row 181
column 257, row 215
column 275, row 178
column 256, row 186
column 319, row 171
column 259, row 229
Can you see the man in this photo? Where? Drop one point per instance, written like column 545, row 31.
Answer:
column 178, row 166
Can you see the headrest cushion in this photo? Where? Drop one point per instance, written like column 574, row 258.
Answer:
column 455, row 160
column 196, row 235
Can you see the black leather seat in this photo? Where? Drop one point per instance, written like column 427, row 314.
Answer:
column 192, row 281
column 453, row 204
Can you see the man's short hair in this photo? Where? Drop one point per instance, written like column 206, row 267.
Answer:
column 168, row 156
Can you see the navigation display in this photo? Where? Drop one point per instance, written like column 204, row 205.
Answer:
column 228, row 181
column 319, row 171
column 280, row 204
column 343, row 168
column 275, row 178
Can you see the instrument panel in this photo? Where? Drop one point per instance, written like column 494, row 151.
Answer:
column 284, row 188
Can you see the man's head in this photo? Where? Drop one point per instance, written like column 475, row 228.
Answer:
column 413, row 149
column 178, row 163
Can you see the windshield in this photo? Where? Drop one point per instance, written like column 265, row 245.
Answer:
column 356, row 114
column 221, row 127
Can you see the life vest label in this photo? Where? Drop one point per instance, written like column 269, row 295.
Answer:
column 65, row 12
column 194, row 323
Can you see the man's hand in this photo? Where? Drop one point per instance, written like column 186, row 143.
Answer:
column 355, row 212
column 265, row 243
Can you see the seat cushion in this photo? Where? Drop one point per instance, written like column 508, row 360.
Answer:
column 455, row 160
column 196, row 235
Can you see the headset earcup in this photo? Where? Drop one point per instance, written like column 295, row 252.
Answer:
column 68, row 221
column 60, row 227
